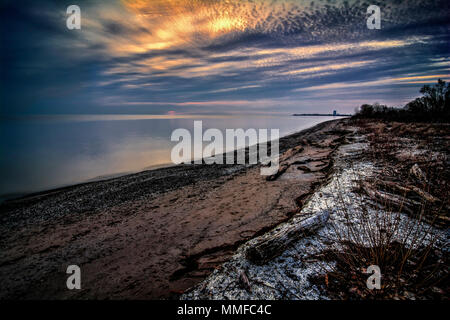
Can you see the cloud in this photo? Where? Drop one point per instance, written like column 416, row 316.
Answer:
column 380, row 82
column 195, row 54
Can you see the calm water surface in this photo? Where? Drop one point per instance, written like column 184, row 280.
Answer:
column 43, row 152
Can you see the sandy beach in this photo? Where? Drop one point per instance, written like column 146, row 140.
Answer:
column 156, row 233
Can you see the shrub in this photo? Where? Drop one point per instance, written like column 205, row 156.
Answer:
column 433, row 105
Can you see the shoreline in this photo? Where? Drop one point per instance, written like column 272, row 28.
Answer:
column 104, row 178
column 159, row 233
column 304, row 258
column 167, row 228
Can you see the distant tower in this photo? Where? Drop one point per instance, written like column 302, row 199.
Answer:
column 334, row 113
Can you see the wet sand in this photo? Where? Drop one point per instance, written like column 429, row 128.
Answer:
column 154, row 234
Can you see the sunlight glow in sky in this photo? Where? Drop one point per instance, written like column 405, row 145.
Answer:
column 218, row 57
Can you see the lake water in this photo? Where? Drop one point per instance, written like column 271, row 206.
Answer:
column 43, row 152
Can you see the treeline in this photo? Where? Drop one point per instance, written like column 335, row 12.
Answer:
column 433, row 106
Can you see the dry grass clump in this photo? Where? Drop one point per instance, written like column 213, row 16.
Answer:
column 396, row 220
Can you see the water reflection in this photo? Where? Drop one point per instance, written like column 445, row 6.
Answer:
column 38, row 153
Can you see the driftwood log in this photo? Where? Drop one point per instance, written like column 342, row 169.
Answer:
column 407, row 190
column 277, row 243
column 401, row 201
column 389, row 200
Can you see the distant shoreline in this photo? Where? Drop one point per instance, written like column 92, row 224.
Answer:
column 321, row 115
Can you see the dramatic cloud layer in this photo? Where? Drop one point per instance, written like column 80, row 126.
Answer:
column 212, row 56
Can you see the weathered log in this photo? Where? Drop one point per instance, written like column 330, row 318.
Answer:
column 390, row 200
column 425, row 195
column 407, row 190
column 277, row 243
column 392, row 185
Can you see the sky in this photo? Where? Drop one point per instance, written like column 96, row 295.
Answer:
column 217, row 57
